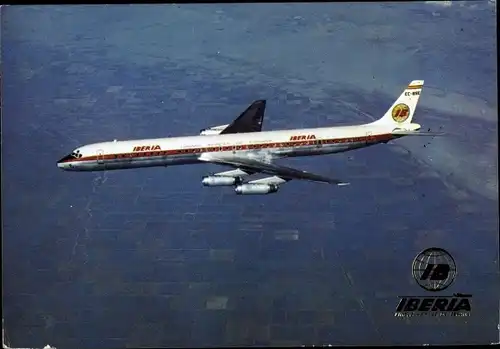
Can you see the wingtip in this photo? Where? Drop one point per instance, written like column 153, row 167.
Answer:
column 343, row 184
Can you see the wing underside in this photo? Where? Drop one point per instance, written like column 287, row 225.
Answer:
column 283, row 172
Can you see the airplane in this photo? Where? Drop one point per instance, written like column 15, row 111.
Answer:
column 248, row 150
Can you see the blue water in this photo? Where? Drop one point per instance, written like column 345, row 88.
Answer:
column 133, row 258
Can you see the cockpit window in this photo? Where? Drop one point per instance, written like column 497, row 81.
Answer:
column 71, row 157
column 76, row 154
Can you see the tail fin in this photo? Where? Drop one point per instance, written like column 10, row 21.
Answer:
column 249, row 121
column 402, row 111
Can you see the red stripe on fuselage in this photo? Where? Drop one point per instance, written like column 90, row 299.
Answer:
column 289, row 144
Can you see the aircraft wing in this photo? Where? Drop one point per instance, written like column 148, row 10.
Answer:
column 283, row 172
column 249, row 121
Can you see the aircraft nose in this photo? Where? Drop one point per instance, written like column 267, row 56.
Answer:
column 60, row 164
column 63, row 162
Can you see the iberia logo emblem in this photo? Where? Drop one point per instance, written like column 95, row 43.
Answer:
column 400, row 112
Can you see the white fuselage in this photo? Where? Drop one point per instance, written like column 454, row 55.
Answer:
column 187, row 150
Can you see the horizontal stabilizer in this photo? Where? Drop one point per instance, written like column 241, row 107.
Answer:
column 416, row 133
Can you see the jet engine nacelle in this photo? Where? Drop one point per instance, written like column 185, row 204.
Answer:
column 209, row 131
column 214, row 181
column 256, row 189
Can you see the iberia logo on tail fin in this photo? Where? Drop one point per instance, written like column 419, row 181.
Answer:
column 401, row 111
